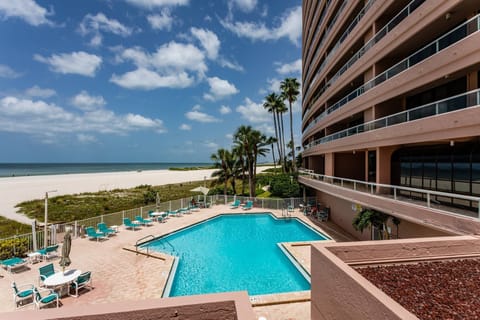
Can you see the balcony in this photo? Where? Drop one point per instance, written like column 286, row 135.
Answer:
column 458, row 102
column 417, row 205
column 452, row 37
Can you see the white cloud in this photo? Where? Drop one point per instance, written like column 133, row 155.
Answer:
column 225, row 110
column 168, row 66
column 49, row 122
column 86, row 102
column 294, row 67
column 79, row 62
column 162, row 21
column 244, row 5
column 86, row 138
column 27, row 10
column 274, row 85
column 7, row 72
column 94, row 24
column 38, row 92
column 197, row 115
column 211, row 145
column 230, row 64
column 208, row 40
column 229, row 136
column 290, row 26
column 145, row 79
column 185, row 127
column 254, row 112
column 219, row 89
column 150, row 4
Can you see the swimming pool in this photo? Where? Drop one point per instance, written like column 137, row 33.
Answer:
column 236, row 252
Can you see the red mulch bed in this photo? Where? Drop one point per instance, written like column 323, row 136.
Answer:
column 432, row 290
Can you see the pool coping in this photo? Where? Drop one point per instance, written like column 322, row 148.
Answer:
column 256, row 300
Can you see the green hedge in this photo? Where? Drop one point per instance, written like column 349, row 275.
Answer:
column 17, row 247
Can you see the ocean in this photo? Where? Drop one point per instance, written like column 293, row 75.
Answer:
column 35, row 169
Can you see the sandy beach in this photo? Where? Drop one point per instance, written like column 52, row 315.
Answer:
column 14, row 190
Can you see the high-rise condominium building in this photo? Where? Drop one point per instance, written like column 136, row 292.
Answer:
column 391, row 111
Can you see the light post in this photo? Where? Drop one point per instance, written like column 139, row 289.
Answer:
column 45, row 228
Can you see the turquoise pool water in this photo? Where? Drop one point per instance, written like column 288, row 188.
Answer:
column 236, row 252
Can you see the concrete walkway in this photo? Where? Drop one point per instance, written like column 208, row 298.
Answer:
column 120, row 275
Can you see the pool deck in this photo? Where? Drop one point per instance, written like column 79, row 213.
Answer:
column 120, row 275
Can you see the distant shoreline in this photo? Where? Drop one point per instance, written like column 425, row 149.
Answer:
column 45, row 169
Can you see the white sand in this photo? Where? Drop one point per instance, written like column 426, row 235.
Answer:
column 14, row 190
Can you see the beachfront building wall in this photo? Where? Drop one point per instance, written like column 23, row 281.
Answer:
column 391, row 95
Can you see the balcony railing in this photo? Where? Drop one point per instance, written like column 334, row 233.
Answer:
column 461, row 101
column 461, row 32
column 342, row 38
column 428, row 198
column 317, row 29
column 399, row 17
column 319, row 47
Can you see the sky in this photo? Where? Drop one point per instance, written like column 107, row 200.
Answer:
column 141, row 80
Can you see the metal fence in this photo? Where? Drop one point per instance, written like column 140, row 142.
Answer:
column 19, row 245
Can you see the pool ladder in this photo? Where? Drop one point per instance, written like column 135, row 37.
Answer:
column 162, row 241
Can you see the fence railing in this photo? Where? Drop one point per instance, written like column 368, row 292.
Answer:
column 19, row 245
column 448, row 202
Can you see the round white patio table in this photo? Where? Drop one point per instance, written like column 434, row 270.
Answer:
column 60, row 279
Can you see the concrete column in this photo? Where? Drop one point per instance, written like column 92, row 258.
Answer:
column 329, row 164
column 384, row 156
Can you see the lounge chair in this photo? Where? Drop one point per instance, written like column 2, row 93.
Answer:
column 83, row 281
column 44, row 297
column 22, row 294
column 14, row 263
column 49, row 252
column 248, row 205
column 235, row 204
column 45, row 272
column 159, row 216
column 145, row 222
column 129, row 224
column 94, row 235
column 102, row 227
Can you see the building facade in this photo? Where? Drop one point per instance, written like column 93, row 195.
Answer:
column 391, row 97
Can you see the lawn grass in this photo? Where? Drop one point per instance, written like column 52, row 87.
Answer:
column 91, row 204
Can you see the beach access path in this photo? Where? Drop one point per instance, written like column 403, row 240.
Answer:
column 14, row 190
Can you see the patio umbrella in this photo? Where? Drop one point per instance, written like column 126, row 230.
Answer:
column 203, row 190
column 67, row 245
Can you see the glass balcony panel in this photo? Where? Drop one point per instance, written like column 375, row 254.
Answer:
column 397, row 118
column 419, row 113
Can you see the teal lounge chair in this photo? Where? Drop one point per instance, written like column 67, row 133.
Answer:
column 94, row 235
column 49, row 252
column 45, row 272
column 102, row 227
column 22, row 294
column 248, row 205
column 129, row 224
column 83, row 281
column 145, row 222
column 45, row 297
column 235, row 204
column 13, row 264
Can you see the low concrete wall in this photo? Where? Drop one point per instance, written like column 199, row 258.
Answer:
column 339, row 292
column 231, row 305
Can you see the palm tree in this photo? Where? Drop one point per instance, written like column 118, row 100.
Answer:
column 271, row 141
column 242, row 168
column 252, row 142
column 290, row 91
column 270, row 104
column 281, row 109
column 221, row 160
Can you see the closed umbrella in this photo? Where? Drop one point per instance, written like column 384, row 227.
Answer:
column 67, row 245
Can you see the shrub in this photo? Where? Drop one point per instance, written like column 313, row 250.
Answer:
column 13, row 247
column 284, row 186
